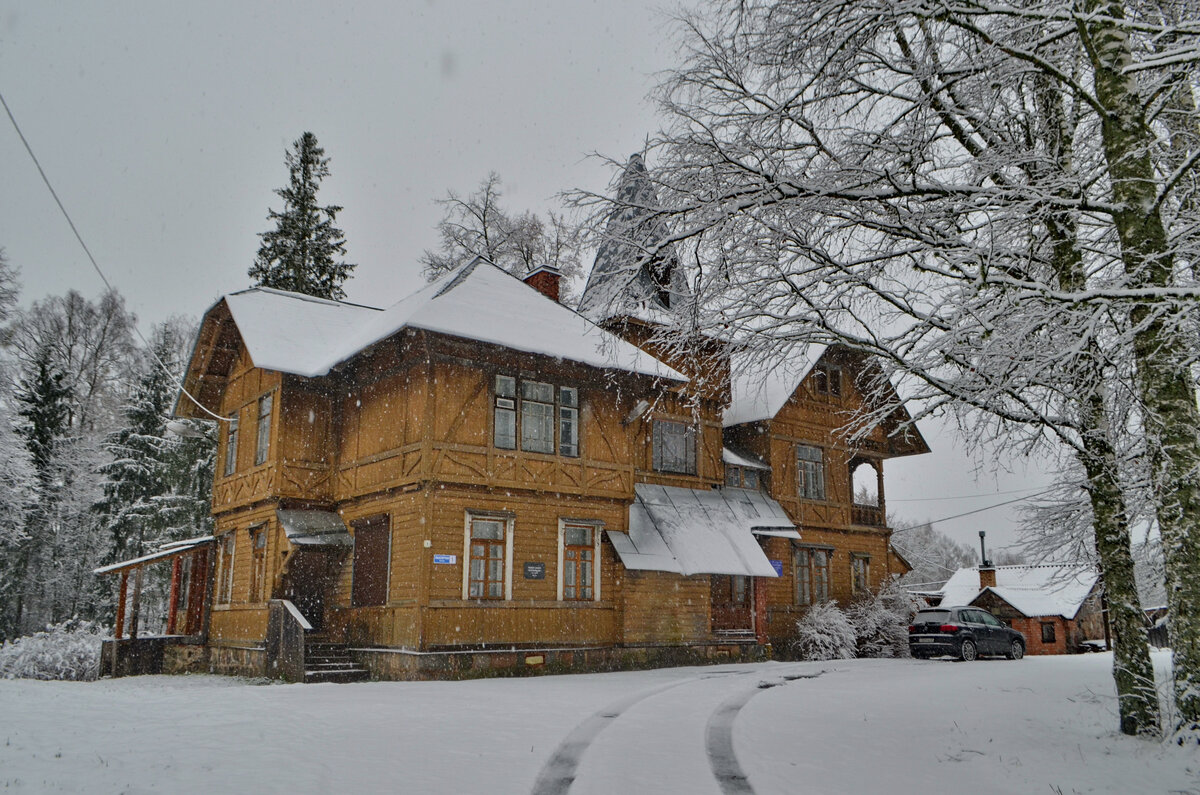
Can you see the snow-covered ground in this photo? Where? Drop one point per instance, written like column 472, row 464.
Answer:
column 1041, row 725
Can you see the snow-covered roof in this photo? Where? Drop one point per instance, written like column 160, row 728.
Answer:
column 1045, row 590
column 165, row 551
column 760, row 385
column 620, row 284
column 308, row 336
column 699, row 531
column 314, row 528
column 745, row 460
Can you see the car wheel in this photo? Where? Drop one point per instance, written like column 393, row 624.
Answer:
column 1016, row 651
column 968, row 651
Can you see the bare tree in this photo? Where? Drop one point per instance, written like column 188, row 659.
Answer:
column 478, row 226
column 974, row 195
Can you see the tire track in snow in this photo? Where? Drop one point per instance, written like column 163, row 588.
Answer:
column 718, row 738
column 558, row 773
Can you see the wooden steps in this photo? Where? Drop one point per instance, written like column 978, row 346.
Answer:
column 331, row 662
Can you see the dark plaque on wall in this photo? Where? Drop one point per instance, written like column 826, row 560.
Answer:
column 535, row 571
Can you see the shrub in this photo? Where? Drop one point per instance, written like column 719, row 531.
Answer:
column 880, row 622
column 70, row 650
column 824, row 634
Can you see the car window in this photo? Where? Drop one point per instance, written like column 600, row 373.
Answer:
column 931, row 617
column 989, row 619
column 972, row 617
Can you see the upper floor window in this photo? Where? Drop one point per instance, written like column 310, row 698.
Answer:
column 545, row 418
column 827, row 380
column 674, row 447
column 742, row 477
column 810, row 469
column 231, row 446
column 263, row 443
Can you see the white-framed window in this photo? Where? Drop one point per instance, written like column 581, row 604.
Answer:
column 579, row 560
column 487, row 556
column 225, row 548
column 810, row 472
column 258, row 563
column 674, row 446
column 231, row 446
column 262, row 447
column 539, row 416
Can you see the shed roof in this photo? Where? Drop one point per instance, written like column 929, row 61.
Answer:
column 1041, row 590
column 700, row 531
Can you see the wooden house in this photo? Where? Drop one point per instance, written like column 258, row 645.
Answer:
column 1056, row 607
column 479, row 477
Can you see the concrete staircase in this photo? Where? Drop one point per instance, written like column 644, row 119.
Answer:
column 330, row 662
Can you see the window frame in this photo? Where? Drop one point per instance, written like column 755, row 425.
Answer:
column 657, row 452
column 860, row 560
column 736, row 478
column 507, row 520
column 827, row 380
column 1053, row 632
column 596, row 526
column 231, row 446
column 808, row 467
column 808, row 588
column 227, row 552
column 258, row 563
column 563, row 414
column 262, row 439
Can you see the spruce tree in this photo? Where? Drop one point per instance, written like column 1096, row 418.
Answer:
column 302, row 252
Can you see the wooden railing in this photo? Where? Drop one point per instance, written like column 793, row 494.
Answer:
column 869, row 515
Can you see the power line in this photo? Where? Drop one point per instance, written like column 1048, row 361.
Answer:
column 96, row 265
column 989, row 507
column 964, row 496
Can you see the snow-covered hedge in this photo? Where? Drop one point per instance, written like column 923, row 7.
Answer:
column 70, row 650
column 876, row 626
column 825, row 633
column 881, row 622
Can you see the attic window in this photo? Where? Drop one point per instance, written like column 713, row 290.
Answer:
column 827, row 380
column 742, row 477
column 543, row 416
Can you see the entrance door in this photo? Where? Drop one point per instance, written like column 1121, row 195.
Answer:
column 307, row 580
column 732, row 603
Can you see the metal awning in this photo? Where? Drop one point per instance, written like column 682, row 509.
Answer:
column 314, row 528
column 696, row 531
column 165, row 552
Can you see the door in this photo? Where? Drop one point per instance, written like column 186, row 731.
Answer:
column 732, row 603
column 306, row 581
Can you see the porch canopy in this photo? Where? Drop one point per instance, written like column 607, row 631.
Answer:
column 166, row 551
column 174, row 550
column 314, row 528
column 696, row 531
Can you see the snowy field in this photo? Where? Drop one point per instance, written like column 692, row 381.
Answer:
column 1041, row 725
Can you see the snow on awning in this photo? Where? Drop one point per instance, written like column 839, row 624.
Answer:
column 695, row 531
column 744, row 460
column 314, row 528
column 168, row 550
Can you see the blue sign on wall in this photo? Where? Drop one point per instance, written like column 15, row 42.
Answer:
column 445, row 559
column 778, row 566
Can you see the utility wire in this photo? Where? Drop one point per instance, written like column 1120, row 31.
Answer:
column 989, row 507
column 964, row 496
column 150, row 348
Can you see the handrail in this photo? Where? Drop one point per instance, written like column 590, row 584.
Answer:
column 296, row 614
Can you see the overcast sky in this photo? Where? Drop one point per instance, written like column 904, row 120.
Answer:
column 163, row 128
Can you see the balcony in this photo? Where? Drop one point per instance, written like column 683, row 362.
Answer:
column 868, row 515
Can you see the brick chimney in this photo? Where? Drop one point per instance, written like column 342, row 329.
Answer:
column 545, row 280
column 987, row 576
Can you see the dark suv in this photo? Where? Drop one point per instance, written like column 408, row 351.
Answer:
column 962, row 632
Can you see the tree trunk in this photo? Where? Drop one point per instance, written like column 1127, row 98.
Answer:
column 1171, row 416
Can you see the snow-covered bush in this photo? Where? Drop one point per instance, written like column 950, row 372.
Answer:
column 880, row 622
column 70, row 650
column 824, row 633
